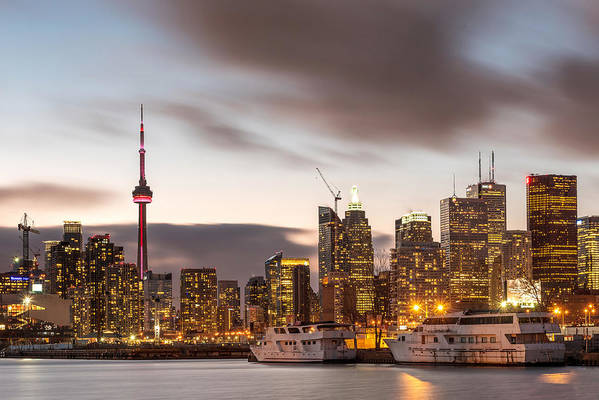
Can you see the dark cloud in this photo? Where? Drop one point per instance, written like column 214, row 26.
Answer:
column 382, row 70
column 52, row 195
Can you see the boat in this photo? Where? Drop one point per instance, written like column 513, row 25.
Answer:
column 319, row 342
column 481, row 338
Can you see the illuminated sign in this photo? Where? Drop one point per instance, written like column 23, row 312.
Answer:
column 19, row 278
column 37, row 288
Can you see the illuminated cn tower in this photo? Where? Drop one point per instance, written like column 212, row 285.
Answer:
column 142, row 195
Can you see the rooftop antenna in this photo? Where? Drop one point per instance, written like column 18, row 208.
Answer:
column 454, row 184
column 489, row 168
column 493, row 166
column 480, row 179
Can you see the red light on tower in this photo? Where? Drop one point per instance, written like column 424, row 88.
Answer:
column 528, row 179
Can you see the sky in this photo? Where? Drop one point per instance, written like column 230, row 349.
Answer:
column 243, row 100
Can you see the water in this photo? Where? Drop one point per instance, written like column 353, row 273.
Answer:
column 238, row 379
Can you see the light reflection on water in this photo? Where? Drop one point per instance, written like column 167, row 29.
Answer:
column 238, row 379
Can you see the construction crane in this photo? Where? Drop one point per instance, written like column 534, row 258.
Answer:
column 26, row 228
column 337, row 196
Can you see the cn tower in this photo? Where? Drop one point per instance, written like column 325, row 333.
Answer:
column 142, row 195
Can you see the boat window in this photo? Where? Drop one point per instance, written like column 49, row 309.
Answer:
column 528, row 338
column 314, row 342
column 483, row 339
column 441, row 321
column 423, row 339
column 308, row 329
column 471, row 339
column 492, row 339
column 293, row 330
column 403, row 338
column 280, row 330
column 536, row 320
column 503, row 319
column 451, row 340
column 463, row 339
column 436, row 339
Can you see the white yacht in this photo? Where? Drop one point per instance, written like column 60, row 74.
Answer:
column 481, row 338
column 321, row 342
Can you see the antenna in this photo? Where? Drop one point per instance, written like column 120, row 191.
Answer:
column 454, row 184
column 480, row 179
column 493, row 166
column 489, row 168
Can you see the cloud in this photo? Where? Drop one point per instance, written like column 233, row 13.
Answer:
column 53, row 195
column 387, row 71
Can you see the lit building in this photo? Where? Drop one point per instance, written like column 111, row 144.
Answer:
column 551, row 205
column 48, row 244
column 158, row 300
column 413, row 227
column 588, row 252
column 73, row 234
column 229, row 305
column 382, row 295
column 11, row 283
column 418, row 276
column 494, row 196
column 331, row 246
column 288, row 281
column 256, row 294
column 66, row 268
column 516, row 255
column 337, row 298
column 89, row 305
column 142, row 195
column 199, row 300
column 123, row 314
column 254, row 319
column 464, row 242
column 360, row 255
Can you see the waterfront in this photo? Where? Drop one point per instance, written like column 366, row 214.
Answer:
column 234, row 379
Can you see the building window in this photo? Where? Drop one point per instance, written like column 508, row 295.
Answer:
column 451, row 340
column 471, row 339
column 483, row 339
column 436, row 339
column 463, row 339
column 492, row 339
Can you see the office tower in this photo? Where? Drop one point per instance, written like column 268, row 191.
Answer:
column 199, row 300
column 360, row 255
column 288, row 281
column 72, row 234
column 418, row 276
column 48, row 244
column 229, row 305
column 494, row 195
column 464, row 242
column 254, row 319
column 516, row 255
column 337, row 298
column 331, row 248
column 256, row 295
column 315, row 308
column 413, row 227
column 551, row 206
column 142, row 195
column 588, row 252
column 382, row 295
column 124, row 312
column 158, row 301
column 100, row 253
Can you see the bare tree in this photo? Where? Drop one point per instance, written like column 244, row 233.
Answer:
column 381, row 260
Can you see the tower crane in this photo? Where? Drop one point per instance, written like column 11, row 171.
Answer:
column 337, row 196
column 26, row 228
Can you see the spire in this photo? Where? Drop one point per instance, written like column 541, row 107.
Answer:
column 453, row 185
column 142, row 150
column 493, row 166
column 480, row 179
column 141, row 128
column 355, row 203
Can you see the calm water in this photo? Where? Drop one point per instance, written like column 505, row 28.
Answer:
column 220, row 379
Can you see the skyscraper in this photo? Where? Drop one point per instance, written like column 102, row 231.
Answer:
column 418, row 276
column 199, row 301
column 551, row 207
column 337, row 298
column 331, row 248
column 124, row 311
column 229, row 305
column 588, row 252
column 494, row 195
column 464, row 229
column 256, row 295
column 288, row 281
column 158, row 300
column 516, row 255
column 360, row 255
column 72, row 234
column 142, row 195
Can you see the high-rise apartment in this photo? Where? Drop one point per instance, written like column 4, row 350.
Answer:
column 229, row 305
column 588, row 252
column 199, row 300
